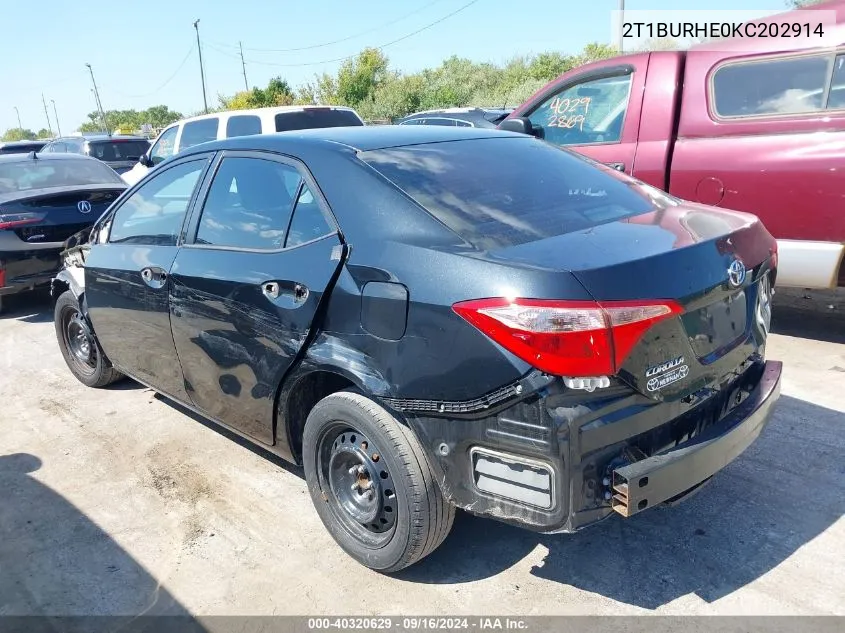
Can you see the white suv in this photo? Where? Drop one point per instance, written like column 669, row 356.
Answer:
column 220, row 125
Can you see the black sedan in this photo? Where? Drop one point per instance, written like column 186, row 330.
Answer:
column 429, row 318
column 43, row 201
column 457, row 117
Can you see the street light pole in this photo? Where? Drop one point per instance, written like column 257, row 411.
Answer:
column 202, row 71
column 243, row 65
column 47, row 114
column 619, row 40
column 56, row 113
column 20, row 127
column 99, row 103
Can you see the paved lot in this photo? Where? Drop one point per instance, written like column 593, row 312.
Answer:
column 118, row 502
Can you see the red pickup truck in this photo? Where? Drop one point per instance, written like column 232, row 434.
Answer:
column 751, row 124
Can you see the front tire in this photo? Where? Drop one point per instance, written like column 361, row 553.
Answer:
column 80, row 348
column 371, row 483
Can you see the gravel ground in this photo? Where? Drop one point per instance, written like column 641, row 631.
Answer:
column 118, row 502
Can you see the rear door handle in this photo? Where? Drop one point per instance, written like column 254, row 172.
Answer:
column 273, row 290
column 154, row 277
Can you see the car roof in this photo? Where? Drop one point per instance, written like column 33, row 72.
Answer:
column 22, row 157
column 102, row 137
column 259, row 111
column 16, row 143
column 358, row 138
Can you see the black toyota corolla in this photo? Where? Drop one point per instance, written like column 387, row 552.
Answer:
column 428, row 318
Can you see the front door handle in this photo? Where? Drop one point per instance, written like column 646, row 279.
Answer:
column 616, row 166
column 270, row 289
column 154, row 277
column 274, row 289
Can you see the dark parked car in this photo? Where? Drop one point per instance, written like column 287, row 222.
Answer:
column 120, row 152
column 429, row 318
column 44, row 199
column 457, row 117
column 22, row 147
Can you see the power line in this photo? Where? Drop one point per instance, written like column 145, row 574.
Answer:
column 343, row 39
column 166, row 81
column 343, row 59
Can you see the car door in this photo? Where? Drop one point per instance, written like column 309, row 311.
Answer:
column 261, row 254
column 596, row 113
column 127, row 275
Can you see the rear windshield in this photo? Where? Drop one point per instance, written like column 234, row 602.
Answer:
column 498, row 192
column 118, row 149
column 37, row 174
column 308, row 119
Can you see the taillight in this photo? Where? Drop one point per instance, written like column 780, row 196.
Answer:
column 567, row 338
column 14, row 220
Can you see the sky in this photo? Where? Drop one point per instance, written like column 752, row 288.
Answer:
column 144, row 53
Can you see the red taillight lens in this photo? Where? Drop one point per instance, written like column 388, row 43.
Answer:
column 13, row 220
column 567, row 338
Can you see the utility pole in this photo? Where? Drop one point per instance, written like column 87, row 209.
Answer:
column 47, row 114
column 202, row 71
column 243, row 65
column 20, row 127
column 99, row 103
column 56, row 113
column 619, row 39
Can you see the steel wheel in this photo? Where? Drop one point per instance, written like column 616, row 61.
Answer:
column 79, row 340
column 360, row 490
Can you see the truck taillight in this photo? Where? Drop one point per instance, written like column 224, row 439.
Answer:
column 567, row 338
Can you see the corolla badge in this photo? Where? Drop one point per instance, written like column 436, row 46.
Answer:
column 84, row 206
column 736, row 273
column 658, row 382
column 666, row 366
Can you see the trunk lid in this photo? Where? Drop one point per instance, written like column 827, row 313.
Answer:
column 58, row 213
column 692, row 254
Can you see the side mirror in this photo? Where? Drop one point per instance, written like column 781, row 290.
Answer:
column 519, row 124
column 145, row 160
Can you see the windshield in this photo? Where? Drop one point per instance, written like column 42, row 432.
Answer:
column 39, row 174
column 498, row 192
column 118, row 149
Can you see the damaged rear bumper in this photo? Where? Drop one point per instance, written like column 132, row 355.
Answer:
column 557, row 462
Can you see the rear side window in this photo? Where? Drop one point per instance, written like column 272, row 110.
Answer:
column 197, row 132
column 249, row 204
column 118, row 150
column 315, row 118
column 772, row 86
column 243, row 125
column 499, row 192
column 41, row 174
column 308, row 222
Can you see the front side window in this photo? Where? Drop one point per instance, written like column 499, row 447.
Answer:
column 248, row 204
column 154, row 213
column 769, row 87
column 588, row 112
column 243, row 125
column 164, row 146
column 197, row 132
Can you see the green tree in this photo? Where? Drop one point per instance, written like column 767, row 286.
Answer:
column 595, row 52
column 803, row 3
column 358, row 78
column 547, row 66
column 278, row 92
column 131, row 120
column 43, row 133
column 18, row 134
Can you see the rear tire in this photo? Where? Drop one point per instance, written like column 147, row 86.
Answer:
column 371, row 484
column 79, row 346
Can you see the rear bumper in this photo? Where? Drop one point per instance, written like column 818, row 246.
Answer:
column 25, row 266
column 552, row 464
column 671, row 473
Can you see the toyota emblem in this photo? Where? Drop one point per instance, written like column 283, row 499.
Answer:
column 736, row 273
column 84, row 206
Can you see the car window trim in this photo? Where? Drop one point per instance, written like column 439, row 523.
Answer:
column 109, row 215
column 830, row 55
column 306, row 178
